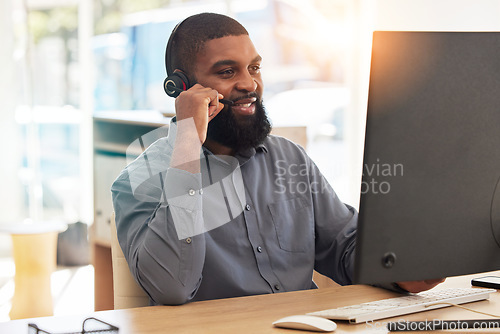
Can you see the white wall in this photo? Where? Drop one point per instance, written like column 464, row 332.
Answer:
column 10, row 194
column 452, row 15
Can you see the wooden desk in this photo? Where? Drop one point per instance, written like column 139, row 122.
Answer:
column 253, row 314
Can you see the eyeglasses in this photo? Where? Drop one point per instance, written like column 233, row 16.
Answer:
column 34, row 329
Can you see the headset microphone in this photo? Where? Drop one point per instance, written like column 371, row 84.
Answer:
column 172, row 89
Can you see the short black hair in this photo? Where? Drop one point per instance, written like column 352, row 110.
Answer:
column 191, row 35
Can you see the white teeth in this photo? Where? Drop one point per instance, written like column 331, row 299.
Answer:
column 246, row 105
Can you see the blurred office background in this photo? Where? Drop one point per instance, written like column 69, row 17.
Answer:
column 65, row 61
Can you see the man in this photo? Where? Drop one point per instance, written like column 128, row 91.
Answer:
column 211, row 211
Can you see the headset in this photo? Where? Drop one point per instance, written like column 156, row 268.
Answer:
column 177, row 82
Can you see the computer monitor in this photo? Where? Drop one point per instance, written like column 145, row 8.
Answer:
column 430, row 194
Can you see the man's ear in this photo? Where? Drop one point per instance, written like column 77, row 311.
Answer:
column 190, row 81
column 176, row 83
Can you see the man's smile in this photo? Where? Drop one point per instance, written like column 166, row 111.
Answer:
column 245, row 106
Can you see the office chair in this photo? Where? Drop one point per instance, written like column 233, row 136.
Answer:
column 126, row 292
column 323, row 281
column 297, row 134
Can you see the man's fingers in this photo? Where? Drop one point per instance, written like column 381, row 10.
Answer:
column 419, row 286
column 435, row 281
column 215, row 106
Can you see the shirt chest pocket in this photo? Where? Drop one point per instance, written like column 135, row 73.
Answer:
column 294, row 223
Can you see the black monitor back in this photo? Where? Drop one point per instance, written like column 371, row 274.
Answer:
column 430, row 195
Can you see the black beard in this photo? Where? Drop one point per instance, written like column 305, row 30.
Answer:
column 240, row 133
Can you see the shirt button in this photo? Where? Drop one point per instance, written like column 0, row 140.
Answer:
column 201, row 191
column 259, row 249
column 277, row 287
column 191, row 192
column 247, row 207
column 188, row 240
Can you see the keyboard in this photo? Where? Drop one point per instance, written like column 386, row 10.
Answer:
column 393, row 307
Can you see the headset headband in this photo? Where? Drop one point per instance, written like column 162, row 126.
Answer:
column 168, row 51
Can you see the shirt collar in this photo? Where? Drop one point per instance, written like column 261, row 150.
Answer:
column 245, row 155
column 250, row 152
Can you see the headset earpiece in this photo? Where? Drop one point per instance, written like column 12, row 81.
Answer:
column 175, row 84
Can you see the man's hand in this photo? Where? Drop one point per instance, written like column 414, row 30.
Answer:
column 194, row 108
column 201, row 104
column 419, row 286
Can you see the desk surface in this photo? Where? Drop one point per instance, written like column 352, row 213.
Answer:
column 254, row 314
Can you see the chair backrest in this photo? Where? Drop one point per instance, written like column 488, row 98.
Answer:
column 297, row 134
column 323, row 281
column 127, row 293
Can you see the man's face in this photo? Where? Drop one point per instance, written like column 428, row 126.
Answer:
column 231, row 65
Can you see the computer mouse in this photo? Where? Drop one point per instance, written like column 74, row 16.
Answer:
column 306, row 322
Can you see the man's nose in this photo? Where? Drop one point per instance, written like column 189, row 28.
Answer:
column 246, row 83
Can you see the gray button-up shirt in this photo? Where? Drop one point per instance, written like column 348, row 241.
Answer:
column 256, row 223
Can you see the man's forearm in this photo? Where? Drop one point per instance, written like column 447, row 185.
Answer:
column 187, row 147
column 162, row 261
column 169, row 269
